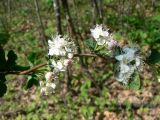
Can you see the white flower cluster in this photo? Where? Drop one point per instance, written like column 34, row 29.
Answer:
column 103, row 37
column 129, row 62
column 48, row 86
column 61, row 46
column 63, row 49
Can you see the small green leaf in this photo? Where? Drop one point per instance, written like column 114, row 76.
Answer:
column 154, row 57
column 4, row 38
column 3, row 89
column 20, row 68
column 84, row 88
column 91, row 44
column 32, row 81
column 135, row 82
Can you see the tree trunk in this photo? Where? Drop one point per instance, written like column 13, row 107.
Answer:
column 41, row 27
column 56, row 6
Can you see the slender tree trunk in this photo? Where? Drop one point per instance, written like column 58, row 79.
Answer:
column 97, row 11
column 41, row 27
column 71, row 25
column 56, row 6
column 101, row 10
column 74, row 33
column 9, row 9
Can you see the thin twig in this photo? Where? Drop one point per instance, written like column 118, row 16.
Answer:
column 25, row 72
column 85, row 55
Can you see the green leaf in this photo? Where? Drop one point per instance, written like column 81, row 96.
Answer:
column 2, row 78
column 33, row 58
column 12, row 57
column 4, row 38
column 91, row 44
column 32, row 80
column 84, row 88
column 117, row 50
column 2, row 60
column 3, row 89
column 20, row 68
column 135, row 82
column 154, row 57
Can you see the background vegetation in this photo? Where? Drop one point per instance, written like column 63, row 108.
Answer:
column 92, row 93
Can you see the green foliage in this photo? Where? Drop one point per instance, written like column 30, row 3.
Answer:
column 2, row 60
column 99, row 50
column 22, row 28
column 88, row 111
column 4, row 37
column 6, row 66
column 84, row 89
column 12, row 57
column 33, row 58
column 91, row 44
column 32, row 80
column 3, row 88
column 154, row 57
column 135, row 82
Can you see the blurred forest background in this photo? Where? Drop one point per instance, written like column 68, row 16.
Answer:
column 92, row 94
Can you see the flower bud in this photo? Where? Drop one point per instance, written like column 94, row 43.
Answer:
column 67, row 62
column 112, row 43
column 70, row 55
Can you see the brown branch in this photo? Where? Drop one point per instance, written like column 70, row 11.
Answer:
column 85, row 55
column 25, row 72
column 32, row 69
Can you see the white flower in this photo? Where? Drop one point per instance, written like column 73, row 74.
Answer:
column 47, row 87
column 43, row 90
column 99, row 34
column 128, row 56
column 125, row 73
column 58, row 66
column 128, row 63
column 59, row 46
column 48, row 76
column 56, row 46
column 50, row 87
column 124, row 68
